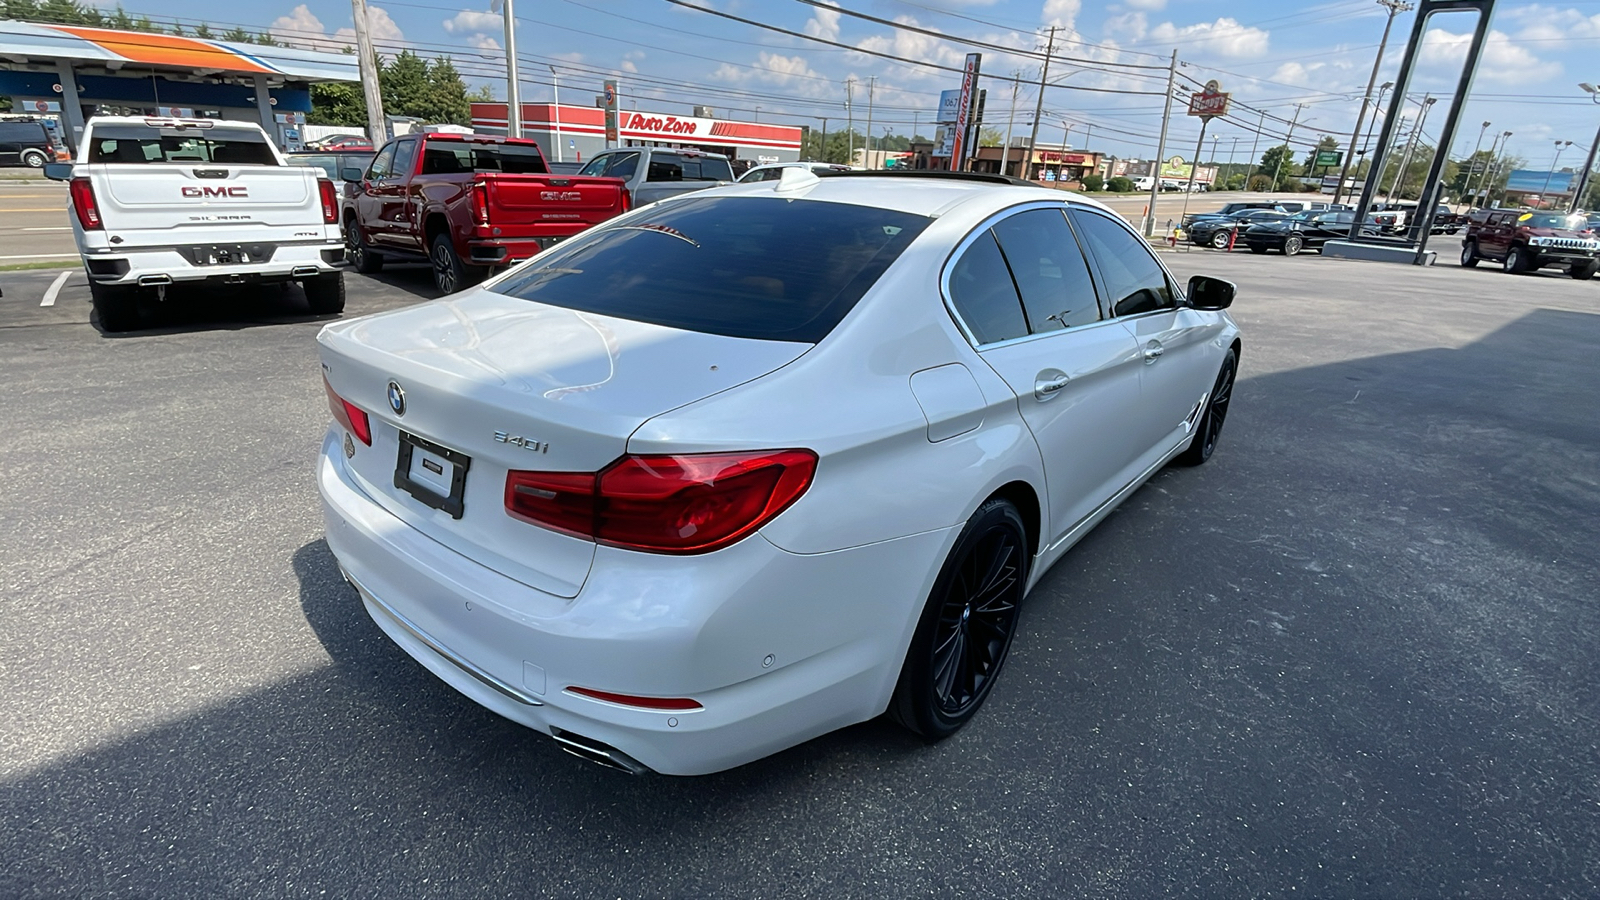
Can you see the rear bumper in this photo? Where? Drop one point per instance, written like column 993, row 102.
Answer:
column 777, row 647
column 504, row 250
column 170, row 265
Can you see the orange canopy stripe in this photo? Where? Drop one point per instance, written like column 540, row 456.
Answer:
column 165, row 50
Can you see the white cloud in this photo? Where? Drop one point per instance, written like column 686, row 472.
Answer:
column 824, row 23
column 301, row 28
column 1502, row 60
column 912, row 45
column 1297, row 73
column 1146, row 4
column 483, row 42
column 470, row 21
column 1061, row 13
column 1225, row 37
column 1131, row 25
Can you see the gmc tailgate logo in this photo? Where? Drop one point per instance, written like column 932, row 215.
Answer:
column 560, row 195
column 203, row 192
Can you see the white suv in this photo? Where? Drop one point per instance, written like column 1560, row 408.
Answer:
column 158, row 201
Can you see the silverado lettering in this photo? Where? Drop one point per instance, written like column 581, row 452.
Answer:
column 220, row 191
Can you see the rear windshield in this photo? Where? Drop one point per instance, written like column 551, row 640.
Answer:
column 455, row 157
column 768, row 268
column 672, row 167
column 135, row 144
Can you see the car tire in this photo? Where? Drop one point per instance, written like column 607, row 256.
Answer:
column 1209, row 428
column 33, row 159
column 324, row 293
column 947, row 672
column 1469, row 255
column 450, row 274
column 1584, row 271
column 356, row 249
column 116, row 305
column 1258, row 248
column 1219, row 240
column 1516, row 261
column 1293, row 244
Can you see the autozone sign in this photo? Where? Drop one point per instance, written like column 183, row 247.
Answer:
column 220, row 191
column 670, row 125
column 1209, row 103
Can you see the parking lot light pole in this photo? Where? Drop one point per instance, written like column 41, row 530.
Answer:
column 1494, row 171
column 556, row 80
column 1588, row 166
column 1482, row 176
column 1395, row 7
column 1544, row 193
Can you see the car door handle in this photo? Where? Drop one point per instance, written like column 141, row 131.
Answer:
column 1049, row 384
column 1152, row 352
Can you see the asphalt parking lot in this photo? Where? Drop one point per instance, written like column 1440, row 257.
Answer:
column 1354, row 655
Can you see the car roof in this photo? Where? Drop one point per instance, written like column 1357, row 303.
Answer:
column 911, row 193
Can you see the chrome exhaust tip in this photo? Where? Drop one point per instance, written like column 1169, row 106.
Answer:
column 598, row 753
column 303, row 271
column 154, row 280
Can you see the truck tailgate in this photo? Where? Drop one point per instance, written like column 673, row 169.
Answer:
column 162, row 204
column 575, row 201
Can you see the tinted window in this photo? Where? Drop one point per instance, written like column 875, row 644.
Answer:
column 329, row 164
column 381, row 164
column 1049, row 269
column 672, row 167
column 984, row 294
column 597, row 165
column 23, row 132
column 751, row 267
column 136, row 144
column 456, row 157
column 623, row 165
column 405, row 155
column 1134, row 282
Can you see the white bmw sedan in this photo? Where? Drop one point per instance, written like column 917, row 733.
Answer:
column 755, row 463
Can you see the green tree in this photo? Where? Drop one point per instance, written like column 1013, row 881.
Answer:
column 1093, row 182
column 121, row 20
column 337, row 103
column 1120, row 185
column 1276, row 164
column 990, row 137
column 1324, row 143
column 203, row 32
column 483, row 93
column 404, row 85
column 447, row 95
column 237, row 35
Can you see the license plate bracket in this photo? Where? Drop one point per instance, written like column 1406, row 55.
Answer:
column 420, row 471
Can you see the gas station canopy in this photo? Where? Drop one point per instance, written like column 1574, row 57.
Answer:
column 41, row 65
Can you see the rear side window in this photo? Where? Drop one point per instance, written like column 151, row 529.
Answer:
column 985, row 296
column 1134, row 282
column 22, row 132
column 671, row 167
column 750, row 267
column 135, row 144
column 456, row 157
column 1049, row 270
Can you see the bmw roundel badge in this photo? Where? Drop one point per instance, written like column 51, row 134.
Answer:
column 397, row 398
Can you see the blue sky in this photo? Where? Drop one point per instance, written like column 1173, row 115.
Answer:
column 1270, row 54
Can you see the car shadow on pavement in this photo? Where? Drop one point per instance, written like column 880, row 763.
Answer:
column 221, row 308
column 1353, row 655
column 413, row 278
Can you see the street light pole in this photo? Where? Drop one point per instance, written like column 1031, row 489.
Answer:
column 1544, row 194
column 1482, row 177
column 1405, row 160
column 1588, row 166
column 557, row 79
column 1288, row 143
column 1005, row 152
column 1471, row 160
column 1494, row 172
column 1394, row 7
column 513, row 82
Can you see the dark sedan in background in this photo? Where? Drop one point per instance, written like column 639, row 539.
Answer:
column 1219, row 233
column 1303, row 231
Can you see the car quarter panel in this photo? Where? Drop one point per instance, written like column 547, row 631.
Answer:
column 851, row 400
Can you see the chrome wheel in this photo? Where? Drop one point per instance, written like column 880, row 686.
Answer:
column 977, row 620
column 1292, row 245
column 1219, row 240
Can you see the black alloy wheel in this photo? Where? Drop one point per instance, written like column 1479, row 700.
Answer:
column 1469, row 254
column 450, row 274
column 1210, row 427
column 1219, row 239
column 361, row 256
column 967, row 627
column 1293, row 244
column 1584, row 271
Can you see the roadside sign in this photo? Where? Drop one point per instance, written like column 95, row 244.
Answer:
column 964, row 112
column 949, row 103
column 1210, row 102
column 1329, row 158
column 612, row 126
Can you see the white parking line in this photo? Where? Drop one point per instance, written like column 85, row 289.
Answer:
column 55, row 288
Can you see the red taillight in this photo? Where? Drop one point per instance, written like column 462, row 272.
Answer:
column 690, row 503
column 663, row 703
column 348, row 414
column 83, row 204
column 330, row 201
column 480, row 199
column 627, row 200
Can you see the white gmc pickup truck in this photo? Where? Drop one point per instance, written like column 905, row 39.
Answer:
column 160, row 201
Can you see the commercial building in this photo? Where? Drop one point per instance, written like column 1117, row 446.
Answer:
column 575, row 133
column 70, row 73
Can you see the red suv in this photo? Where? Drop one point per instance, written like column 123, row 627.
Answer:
column 1524, row 240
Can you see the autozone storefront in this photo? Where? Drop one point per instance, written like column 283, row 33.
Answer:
column 575, row 133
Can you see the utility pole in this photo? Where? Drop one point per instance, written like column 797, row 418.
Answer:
column 367, row 62
column 1405, row 160
column 1588, row 166
column 513, row 88
column 1395, row 7
column 1161, row 149
column 1288, row 143
column 1494, row 173
column 872, row 84
column 1005, row 152
column 1038, row 105
column 1472, row 161
column 1261, row 125
column 850, row 122
column 1482, row 177
column 822, row 147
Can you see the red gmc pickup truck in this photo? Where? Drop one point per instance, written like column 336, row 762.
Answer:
column 466, row 203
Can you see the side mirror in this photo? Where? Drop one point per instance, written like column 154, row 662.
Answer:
column 350, row 174
column 58, row 171
column 1206, row 292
